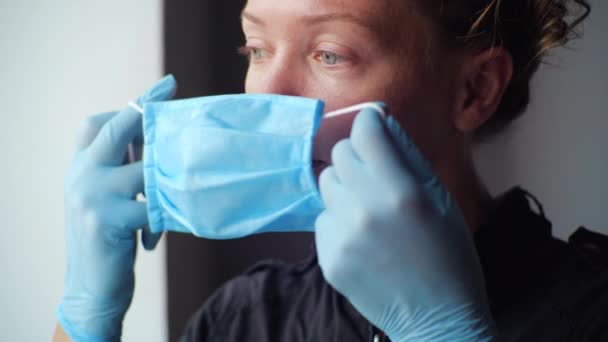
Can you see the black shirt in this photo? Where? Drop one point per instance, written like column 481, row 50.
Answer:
column 540, row 289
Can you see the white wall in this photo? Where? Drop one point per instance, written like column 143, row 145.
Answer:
column 559, row 149
column 60, row 61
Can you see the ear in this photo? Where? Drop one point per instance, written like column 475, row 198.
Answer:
column 486, row 76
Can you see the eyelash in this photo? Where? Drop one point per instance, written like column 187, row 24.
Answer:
column 248, row 51
column 320, row 56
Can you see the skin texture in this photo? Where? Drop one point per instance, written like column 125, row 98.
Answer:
column 372, row 66
column 386, row 51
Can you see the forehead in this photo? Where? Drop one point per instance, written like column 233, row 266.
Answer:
column 378, row 15
column 313, row 6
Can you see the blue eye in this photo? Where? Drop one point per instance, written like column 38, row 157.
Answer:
column 256, row 54
column 330, row 58
column 252, row 53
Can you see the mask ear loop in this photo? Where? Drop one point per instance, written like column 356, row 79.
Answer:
column 373, row 105
column 136, row 107
column 147, row 237
column 131, row 149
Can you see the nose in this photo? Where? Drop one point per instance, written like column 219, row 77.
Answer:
column 278, row 76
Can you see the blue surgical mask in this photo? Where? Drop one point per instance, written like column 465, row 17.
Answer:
column 229, row 166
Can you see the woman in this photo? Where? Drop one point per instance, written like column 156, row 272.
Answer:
column 395, row 254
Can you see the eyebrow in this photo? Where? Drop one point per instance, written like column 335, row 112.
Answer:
column 316, row 19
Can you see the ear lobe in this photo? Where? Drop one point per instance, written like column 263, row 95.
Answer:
column 487, row 76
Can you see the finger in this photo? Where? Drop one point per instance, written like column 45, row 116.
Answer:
column 148, row 239
column 419, row 167
column 330, row 238
column 163, row 90
column 110, row 145
column 89, row 129
column 410, row 154
column 349, row 168
column 126, row 216
column 128, row 180
column 374, row 147
column 324, row 236
column 332, row 191
column 327, row 179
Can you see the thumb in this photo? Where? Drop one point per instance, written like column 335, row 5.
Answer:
column 163, row 90
column 410, row 154
column 419, row 167
column 150, row 240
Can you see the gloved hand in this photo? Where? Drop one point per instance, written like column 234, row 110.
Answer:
column 102, row 218
column 394, row 243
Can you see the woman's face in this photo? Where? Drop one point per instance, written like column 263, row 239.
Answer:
column 346, row 52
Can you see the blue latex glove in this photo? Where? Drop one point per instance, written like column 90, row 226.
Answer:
column 102, row 218
column 394, row 243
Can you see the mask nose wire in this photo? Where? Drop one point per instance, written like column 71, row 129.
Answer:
column 136, row 107
column 355, row 108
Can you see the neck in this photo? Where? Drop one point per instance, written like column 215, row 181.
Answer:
column 467, row 189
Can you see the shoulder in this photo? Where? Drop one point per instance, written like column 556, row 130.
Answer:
column 542, row 288
column 582, row 293
column 248, row 300
column 582, row 265
column 571, row 295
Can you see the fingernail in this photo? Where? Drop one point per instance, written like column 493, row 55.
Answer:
column 374, row 115
column 381, row 104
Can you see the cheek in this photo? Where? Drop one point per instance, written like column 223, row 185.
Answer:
column 254, row 83
column 340, row 95
column 379, row 85
column 422, row 108
column 410, row 97
column 330, row 132
column 334, row 129
column 425, row 117
column 250, row 85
